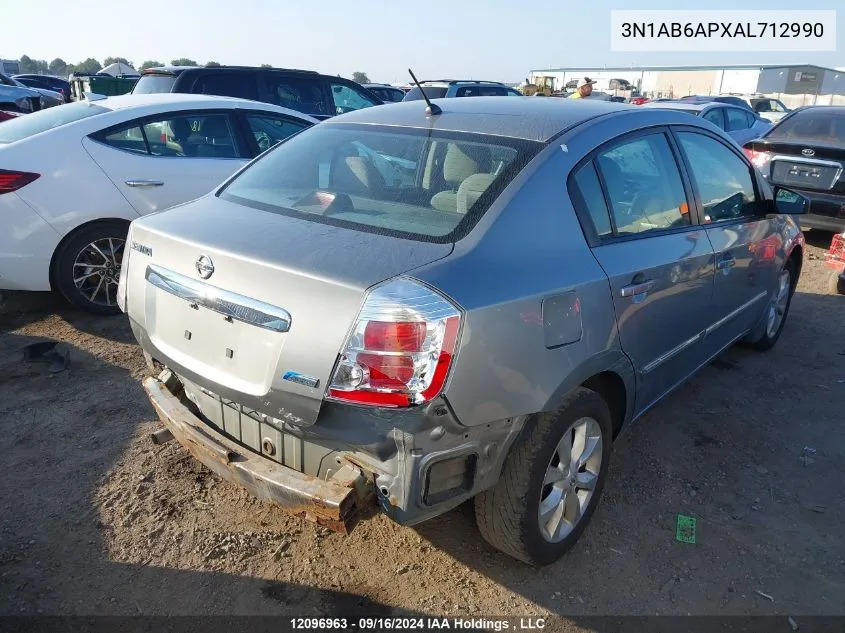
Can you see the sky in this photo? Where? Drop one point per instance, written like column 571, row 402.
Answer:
column 495, row 39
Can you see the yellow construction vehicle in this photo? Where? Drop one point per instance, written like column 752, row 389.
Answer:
column 543, row 84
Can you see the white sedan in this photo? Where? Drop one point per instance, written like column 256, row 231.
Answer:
column 73, row 177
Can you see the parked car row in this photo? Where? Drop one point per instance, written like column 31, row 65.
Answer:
column 40, row 97
column 301, row 268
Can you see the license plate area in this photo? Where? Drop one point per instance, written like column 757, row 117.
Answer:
column 239, row 355
column 805, row 175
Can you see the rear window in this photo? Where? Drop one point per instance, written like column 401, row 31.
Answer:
column 414, row 94
column 30, row 124
column 812, row 125
column 153, row 84
column 418, row 184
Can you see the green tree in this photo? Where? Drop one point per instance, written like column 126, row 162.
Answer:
column 361, row 78
column 116, row 60
column 90, row 65
column 212, row 65
column 58, row 67
column 29, row 65
column 183, row 61
column 150, row 64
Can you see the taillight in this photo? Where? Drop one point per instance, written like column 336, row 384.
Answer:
column 14, row 180
column 401, row 349
column 758, row 159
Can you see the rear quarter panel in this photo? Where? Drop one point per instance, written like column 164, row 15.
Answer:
column 539, row 317
column 72, row 190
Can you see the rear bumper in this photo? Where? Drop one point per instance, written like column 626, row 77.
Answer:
column 332, row 503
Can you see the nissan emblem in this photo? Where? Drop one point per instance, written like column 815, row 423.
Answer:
column 205, row 267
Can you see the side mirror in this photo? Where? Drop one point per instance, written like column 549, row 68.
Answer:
column 787, row 202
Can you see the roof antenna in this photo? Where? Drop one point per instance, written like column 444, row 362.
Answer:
column 432, row 108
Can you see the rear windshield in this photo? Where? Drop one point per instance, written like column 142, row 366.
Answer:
column 812, row 125
column 30, row 124
column 418, row 184
column 414, row 94
column 152, row 83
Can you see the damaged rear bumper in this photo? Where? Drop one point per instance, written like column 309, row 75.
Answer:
column 332, row 503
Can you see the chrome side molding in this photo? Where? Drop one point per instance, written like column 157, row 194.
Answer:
column 229, row 304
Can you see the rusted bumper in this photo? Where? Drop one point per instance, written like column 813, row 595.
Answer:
column 332, row 503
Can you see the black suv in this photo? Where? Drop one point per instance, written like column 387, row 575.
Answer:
column 306, row 91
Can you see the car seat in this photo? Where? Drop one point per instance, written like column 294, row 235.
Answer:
column 461, row 162
column 356, row 175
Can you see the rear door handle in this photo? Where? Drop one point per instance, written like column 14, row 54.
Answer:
column 637, row 288
column 725, row 263
column 144, row 183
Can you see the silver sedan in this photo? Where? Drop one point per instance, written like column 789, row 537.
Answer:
column 476, row 315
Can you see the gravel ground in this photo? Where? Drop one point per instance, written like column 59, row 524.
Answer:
column 98, row 520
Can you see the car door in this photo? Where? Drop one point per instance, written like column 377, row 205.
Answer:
column 657, row 258
column 160, row 161
column 744, row 240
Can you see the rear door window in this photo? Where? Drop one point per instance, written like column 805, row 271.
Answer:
column 737, row 119
column 186, row 135
column 716, row 117
column 592, row 199
column 644, row 186
column 240, row 85
column 129, row 139
column 347, row 99
column 303, row 94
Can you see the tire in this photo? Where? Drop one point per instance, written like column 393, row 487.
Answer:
column 836, row 283
column 77, row 260
column 772, row 334
column 508, row 514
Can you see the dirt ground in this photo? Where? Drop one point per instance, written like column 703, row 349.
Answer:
column 97, row 520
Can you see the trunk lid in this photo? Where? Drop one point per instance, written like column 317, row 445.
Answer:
column 804, row 164
column 255, row 306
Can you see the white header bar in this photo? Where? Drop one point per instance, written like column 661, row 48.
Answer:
column 726, row 31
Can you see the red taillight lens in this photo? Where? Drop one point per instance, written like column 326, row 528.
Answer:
column 401, row 348
column 14, row 180
column 387, row 372
column 384, row 336
column 758, row 159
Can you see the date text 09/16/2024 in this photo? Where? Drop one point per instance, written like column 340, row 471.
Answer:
column 418, row 624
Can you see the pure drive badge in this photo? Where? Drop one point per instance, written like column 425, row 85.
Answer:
column 301, row 379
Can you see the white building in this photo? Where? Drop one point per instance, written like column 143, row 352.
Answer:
column 797, row 84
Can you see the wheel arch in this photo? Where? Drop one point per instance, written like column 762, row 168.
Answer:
column 611, row 375
column 796, row 256
column 69, row 236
